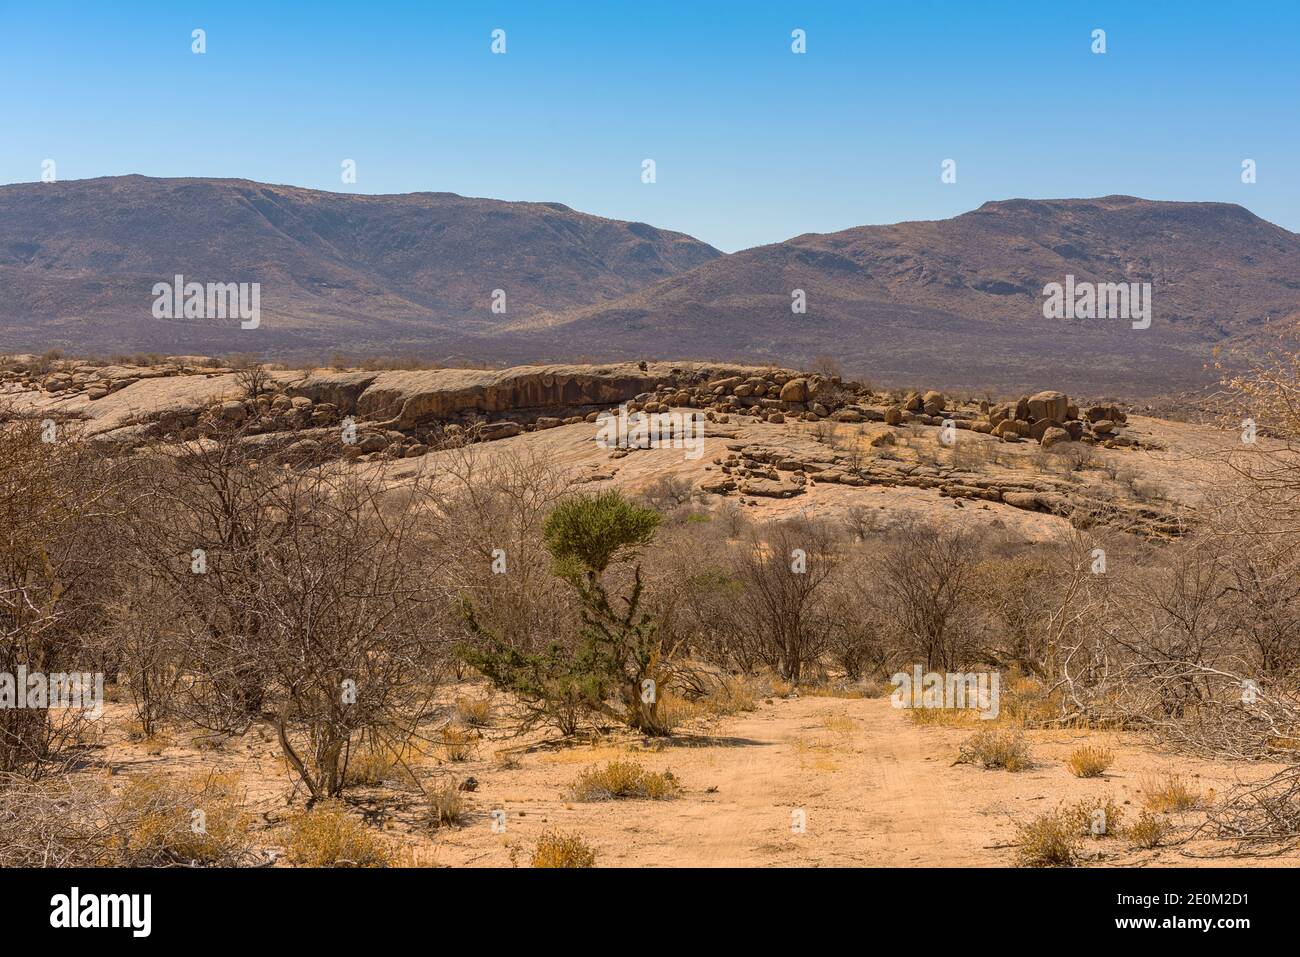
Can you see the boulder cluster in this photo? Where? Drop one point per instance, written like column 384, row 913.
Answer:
column 400, row 415
column 1050, row 418
column 311, row 427
column 773, row 396
column 94, row 382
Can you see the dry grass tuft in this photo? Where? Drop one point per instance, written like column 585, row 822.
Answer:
column 563, row 850
column 730, row 696
column 1094, row 818
column 458, row 742
column 164, row 825
column 474, row 712
column 996, row 749
column 1049, row 840
column 373, row 766
column 623, row 779
column 326, row 836
column 1148, row 830
column 1090, row 762
column 675, row 711
column 947, row 717
column 446, row 805
column 1169, row 793
column 840, row 724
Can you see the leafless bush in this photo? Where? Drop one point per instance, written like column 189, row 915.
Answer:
column 490, row 546
column 857, row 636
column 694, row 600
column 58, row 508
column 251, row 376
column 668, row 493
column 926, row 581
column 784, row 570
column 300, row 594
column 826, row 432
column 81, row 821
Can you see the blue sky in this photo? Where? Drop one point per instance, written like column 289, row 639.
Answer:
column 752, row 143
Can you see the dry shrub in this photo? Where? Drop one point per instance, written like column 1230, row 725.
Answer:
column 1090, row 762
column 313, row 576
column 458, row 743
column 1026, row 702
column 996, row 749
column 674, row 710
column 326, row 836
column 779, row 687
column 1148, row 830
column 507, row 760
column 200, row 820
column 1085, row 821
column 563, row 850
column 832, row 690
column 78, row 821
column 475, row 712
column 446, row 805
column 1168, row 793
column 373, row 766
column 623, row 779
column 1049, row 840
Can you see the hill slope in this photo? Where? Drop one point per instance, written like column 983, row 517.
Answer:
column 959, row 301
column 78, row 261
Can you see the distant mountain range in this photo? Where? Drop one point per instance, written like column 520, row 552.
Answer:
column 955, row 302
column 78, row 261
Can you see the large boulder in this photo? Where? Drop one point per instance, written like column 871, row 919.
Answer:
column 934, row 402
column 796, row 390
column 723, row 386
column 1098, row 412
column 1054, row 436
column 767, row 488
column 1017, row 427
column 1049, row 405
column 499, row 430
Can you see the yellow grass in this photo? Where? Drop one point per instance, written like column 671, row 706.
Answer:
column 1168, row 793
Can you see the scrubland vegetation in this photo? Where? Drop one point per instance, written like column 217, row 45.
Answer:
column 329, row 608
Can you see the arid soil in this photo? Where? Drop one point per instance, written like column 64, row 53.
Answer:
column 876, row 788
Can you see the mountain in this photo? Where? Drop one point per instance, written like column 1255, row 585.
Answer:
column 955, row 302
column 960, row 301
column 79, row 259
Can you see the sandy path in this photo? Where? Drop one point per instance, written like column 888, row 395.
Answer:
column 876, row 790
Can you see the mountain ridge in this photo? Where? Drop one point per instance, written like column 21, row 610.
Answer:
column 957, row 300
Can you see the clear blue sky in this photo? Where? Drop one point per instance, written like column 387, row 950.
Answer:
column 752, row 143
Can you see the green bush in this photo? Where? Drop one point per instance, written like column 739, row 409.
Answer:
column 616, row 654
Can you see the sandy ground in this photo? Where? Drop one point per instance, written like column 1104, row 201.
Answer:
column 876, row 789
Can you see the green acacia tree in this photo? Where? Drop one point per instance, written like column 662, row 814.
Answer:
column 618, row 652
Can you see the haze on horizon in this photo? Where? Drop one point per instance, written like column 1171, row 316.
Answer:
column 752, row 143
